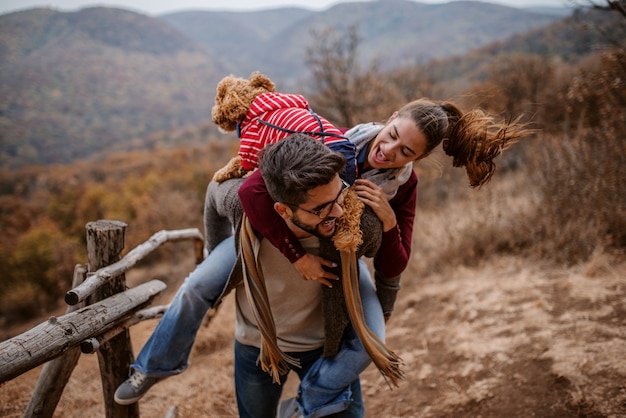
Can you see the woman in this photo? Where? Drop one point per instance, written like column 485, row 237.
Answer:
column 387, row 183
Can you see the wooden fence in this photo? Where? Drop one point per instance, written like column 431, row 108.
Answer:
column 100, row 311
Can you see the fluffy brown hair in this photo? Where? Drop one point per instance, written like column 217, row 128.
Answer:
column 234, row 96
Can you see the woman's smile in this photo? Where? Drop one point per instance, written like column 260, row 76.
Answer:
column 380, row 156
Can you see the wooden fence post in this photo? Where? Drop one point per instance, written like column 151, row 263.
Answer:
column 105, row 242
column 56, row 373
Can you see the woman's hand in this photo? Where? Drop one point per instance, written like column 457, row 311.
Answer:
column 311, row 267
column 373, row 196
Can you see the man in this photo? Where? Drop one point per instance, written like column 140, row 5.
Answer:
column 302, row 177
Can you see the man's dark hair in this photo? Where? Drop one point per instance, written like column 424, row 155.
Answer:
column 293, row 166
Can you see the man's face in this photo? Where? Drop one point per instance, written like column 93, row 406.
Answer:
column 304, row 221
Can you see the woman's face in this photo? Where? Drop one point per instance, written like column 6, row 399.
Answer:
column 397, row 144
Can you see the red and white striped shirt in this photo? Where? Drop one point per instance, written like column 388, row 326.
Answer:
column 288, row 113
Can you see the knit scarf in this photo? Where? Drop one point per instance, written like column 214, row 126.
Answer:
column 271, row 358
column 389, row 179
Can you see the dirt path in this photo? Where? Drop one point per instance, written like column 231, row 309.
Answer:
column 506, row 339
column 510, row 339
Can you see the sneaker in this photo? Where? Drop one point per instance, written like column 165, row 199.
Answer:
column 134, row 388
column 289, row 409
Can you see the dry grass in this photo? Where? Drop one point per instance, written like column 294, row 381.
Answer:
column 564, row 200
column 582, row 181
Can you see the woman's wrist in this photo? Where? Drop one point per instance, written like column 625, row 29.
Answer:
column 388, row 226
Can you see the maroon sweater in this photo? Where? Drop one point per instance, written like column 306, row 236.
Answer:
column 395, row 249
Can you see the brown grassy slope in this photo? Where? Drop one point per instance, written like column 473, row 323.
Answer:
column 507, row 336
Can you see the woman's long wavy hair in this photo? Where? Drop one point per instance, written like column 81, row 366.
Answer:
column 473, row 139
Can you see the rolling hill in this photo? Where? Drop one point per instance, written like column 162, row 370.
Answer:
column 76, row 84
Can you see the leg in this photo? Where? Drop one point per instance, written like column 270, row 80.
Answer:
column 326, row 388
column 353, row 409
column 356, row 409
column 257, row 394
column 167, row 351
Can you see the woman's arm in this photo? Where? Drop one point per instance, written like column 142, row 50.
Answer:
column 394, row 253
column 397, row 216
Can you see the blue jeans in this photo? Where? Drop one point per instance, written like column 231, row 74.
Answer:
column 329, row 385
column 166, row 352
column 258, row 396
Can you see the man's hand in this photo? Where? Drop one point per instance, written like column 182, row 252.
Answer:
column 311, row 267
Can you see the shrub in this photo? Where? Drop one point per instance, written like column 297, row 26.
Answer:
column 38, row 272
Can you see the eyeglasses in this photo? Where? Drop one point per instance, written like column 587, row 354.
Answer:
column 324, row 210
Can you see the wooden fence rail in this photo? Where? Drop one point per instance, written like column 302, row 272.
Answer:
column 55, row 336
column 100, row 311
column 105, row 274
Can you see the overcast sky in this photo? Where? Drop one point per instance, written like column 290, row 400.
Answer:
column 155, row 7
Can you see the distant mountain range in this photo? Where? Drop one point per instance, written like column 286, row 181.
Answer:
column 392, row 31
column 73, row 84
